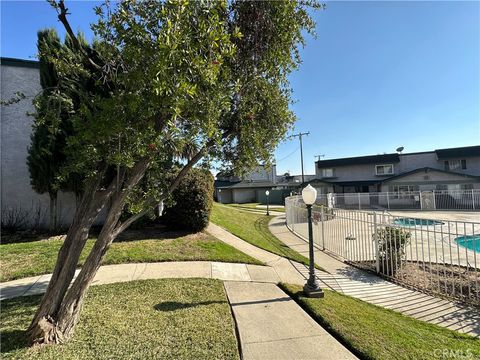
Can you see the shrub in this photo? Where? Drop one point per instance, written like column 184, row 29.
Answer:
column 391, row 248
column 192, row 202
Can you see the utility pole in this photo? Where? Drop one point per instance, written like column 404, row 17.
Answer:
column 319, row 157
column 300, row 135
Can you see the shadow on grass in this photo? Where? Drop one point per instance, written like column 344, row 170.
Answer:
column 13, row 340
column 158, row 232
column 174, row 305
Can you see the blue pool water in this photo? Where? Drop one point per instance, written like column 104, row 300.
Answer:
column 415, row 222
column 471, row 242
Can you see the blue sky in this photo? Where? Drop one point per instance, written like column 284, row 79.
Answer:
column 380, row 75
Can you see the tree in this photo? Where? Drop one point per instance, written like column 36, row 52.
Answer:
column 165, row 82
column 46, row 154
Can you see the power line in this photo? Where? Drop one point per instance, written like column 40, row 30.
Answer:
column 300, row 135
column 293, row 152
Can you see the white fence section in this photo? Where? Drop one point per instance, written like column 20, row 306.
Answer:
column 436, row 256
column 413, row 200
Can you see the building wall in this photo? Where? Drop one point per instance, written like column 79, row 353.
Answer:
column 408, row 162
column 224, row 196
column 241, row 196
column 17, row 195
column 261, row 173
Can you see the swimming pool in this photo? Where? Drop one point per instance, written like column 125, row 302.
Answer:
column 415, row 222
column 471, row 242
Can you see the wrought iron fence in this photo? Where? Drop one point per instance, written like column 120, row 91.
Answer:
column 412, row 200
column 436, row 256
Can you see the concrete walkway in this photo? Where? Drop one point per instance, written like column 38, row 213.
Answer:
column 288, row 271
column 366, row 286
column 128, row 272
column 272, row 326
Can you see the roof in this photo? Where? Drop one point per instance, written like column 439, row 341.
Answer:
column 222, row 183
column 6, row 61
column 360, row 160
column 356, row 183
column 246, row 184
column 466, row 151
column 426, row 170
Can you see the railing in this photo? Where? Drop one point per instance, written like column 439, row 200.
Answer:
column 412, row 200
column 435, row 256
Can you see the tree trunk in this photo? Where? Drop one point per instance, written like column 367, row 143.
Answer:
column 53, row 212
column 66, row 264
column 71, row 306
column 58, row 314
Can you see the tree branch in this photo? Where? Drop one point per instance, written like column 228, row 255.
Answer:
column 123, row 226
column 62, row 12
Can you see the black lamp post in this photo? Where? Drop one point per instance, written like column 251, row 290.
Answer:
column 311, row 288
column 267, row 193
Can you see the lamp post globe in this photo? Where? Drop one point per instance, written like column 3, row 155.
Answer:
column 311, row 288
column 267, row 193
column 309, row 195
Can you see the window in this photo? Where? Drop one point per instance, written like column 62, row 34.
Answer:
column 455, row 164
column 384, row 169
column 404, row 191
column 326, row 173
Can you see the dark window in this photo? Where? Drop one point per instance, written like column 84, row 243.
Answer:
column 447, row 167
column 464, row 164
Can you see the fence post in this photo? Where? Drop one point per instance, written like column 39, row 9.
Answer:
column 375, row 239
column 322, row 212
column 473, row 199
column 388, row 200
column 434, row 201
column 359, row 202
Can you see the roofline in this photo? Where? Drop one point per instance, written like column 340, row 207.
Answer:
column 7, row 61
column 400, row 154
column 428, row 169
column 371, row 159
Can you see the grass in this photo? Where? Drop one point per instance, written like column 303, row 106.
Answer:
column 252, row 228
column 34, row 258
column 254, row 207
column 150, row 319
column 372, row 332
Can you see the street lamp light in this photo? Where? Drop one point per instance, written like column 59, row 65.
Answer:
column 267, row 193
column 311, row 288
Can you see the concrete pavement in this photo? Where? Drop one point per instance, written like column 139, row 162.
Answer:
column 272, row 326
column 368, row 287
column 127, row 272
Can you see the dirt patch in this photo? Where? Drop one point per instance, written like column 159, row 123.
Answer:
column 450, row 281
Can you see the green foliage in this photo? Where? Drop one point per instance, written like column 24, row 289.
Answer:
column 192, row 202
column 46, row 154
column 391, row 247
column 169, row 82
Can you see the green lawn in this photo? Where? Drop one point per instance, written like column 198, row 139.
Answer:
column 39, row 257
column 373, row 332
column 253, row 207
column 150, row 319
column 252, row 228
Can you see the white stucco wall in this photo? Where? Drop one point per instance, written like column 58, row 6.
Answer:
column 16, row 126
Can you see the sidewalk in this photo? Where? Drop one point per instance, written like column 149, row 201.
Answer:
column 272, row 326
column 375, row 290
column 127, row 272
